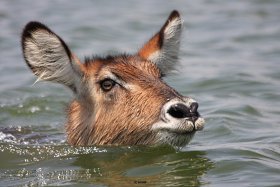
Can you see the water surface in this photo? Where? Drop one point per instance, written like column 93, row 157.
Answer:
column 229, row 63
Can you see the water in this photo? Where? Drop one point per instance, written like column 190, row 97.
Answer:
column 229, row 63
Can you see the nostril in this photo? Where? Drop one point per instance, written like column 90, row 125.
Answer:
column 179, row 111
column 194, row 107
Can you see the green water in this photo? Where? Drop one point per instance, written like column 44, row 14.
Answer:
column 229, row 63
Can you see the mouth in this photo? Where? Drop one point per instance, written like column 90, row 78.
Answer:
column 182, row 126
column 177, row 132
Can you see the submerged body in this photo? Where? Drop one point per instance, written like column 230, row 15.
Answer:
column 120, row 100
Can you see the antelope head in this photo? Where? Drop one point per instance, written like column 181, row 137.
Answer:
column 122, row 99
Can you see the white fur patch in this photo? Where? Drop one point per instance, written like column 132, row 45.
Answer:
column 174, row 139
column 199, row 124
column 167, row 57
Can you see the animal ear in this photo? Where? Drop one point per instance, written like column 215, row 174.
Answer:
column 48, row 56
column 163, row 48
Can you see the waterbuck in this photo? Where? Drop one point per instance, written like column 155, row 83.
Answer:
column 121, row 99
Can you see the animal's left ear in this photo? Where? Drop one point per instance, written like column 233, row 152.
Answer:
column 163, row 48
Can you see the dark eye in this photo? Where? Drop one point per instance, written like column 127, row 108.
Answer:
column 107, row 84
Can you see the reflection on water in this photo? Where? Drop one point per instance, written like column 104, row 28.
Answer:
column 147, row 166
column 117, row 166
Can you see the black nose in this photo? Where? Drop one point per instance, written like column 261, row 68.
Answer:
column 194, row 107
column 182, row 111
column 178, row 111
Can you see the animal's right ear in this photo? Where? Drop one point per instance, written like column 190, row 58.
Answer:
column 48, row 56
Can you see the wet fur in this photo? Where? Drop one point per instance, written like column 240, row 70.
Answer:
column 124, row 115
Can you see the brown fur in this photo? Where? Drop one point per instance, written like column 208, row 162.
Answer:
column 152, row 46
column 124, row 114
column 119, row 118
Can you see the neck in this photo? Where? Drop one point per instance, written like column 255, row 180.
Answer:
column 78, row 124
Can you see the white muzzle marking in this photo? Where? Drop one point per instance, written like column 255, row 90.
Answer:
column 178, row 122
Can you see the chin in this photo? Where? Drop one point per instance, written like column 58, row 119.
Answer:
column 177, row 133
column 177, row 140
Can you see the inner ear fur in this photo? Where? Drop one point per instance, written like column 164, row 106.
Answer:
column 163, row 48
column 48, row 56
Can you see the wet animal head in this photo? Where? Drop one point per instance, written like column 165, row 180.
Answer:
column 120, row 99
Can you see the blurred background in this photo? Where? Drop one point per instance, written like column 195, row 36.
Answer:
column 230, row 54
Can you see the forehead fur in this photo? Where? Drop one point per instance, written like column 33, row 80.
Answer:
column 125, row 67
